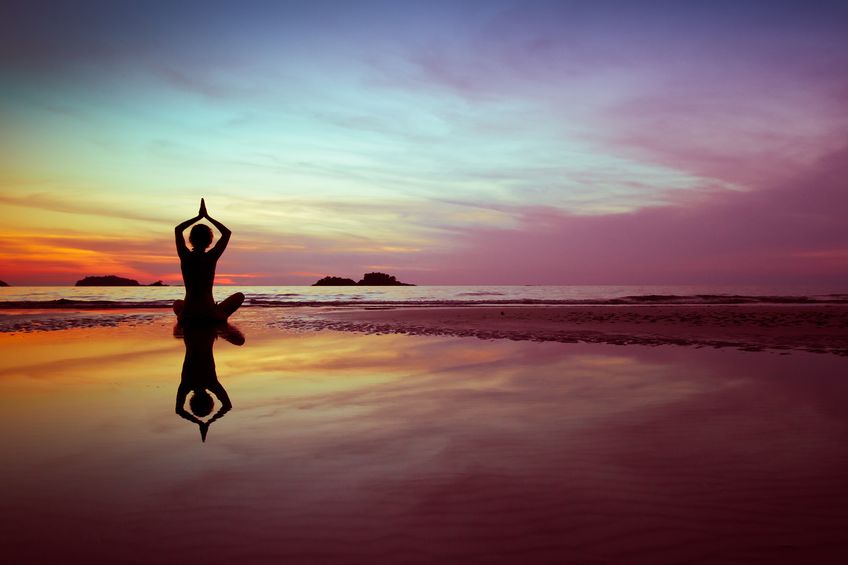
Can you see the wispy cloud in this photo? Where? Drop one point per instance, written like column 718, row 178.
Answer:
column 453, row 141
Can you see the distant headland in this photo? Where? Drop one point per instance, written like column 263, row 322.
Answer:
column 368, row 279
column 3, row 283
column 112, row 280
column 108, row 280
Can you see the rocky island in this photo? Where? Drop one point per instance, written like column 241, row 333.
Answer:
column 335, row 281
column 368, row 279
column 380, row 279
column 108, row 280
column 112, row 280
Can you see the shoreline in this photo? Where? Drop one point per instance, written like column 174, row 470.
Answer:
column 760, row 327
column 467, row 299
column 95, row 305
column 818, row 328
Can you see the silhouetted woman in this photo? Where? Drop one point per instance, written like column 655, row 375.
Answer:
column 198, row 268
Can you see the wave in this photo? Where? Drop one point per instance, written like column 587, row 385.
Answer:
column 361, row 301
column 481, row 294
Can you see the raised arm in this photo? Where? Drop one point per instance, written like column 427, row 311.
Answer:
column 180, row 238
column 221, row 245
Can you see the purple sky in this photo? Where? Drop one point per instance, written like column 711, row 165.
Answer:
column 445, row 142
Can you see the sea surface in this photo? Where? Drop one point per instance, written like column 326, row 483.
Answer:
column 145, row 296
column 362, row 449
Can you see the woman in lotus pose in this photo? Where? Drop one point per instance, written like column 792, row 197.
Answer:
column 198, row 267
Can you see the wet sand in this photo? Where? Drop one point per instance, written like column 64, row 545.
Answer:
column 813, row 328
column 343, row 447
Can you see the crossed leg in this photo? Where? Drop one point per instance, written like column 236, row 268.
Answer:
column 231, row 304
column 221, row 312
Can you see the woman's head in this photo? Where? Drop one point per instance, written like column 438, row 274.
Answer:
column 201, row 403
column 200, row 236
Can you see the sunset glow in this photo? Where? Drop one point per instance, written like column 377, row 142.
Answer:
column 463, row 142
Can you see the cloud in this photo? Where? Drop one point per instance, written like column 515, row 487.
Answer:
column 793, row 232
column 78, row 206
column 607, row 135
column 28, row 258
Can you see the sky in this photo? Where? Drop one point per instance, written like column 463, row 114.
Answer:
column 445, row 142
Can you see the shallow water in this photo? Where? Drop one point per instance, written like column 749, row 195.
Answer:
column 397, row 449
column 34, row 296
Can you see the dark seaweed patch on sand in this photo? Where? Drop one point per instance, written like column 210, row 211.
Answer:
column 27, row 323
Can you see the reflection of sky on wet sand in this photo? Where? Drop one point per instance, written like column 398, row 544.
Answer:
column 394, row 448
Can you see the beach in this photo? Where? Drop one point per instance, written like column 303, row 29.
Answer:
column 814, row 328
column 604, row 434
column 424, row 283
column 817, row 328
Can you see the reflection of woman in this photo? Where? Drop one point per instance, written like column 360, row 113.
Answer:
column 198, row 268
column 199, row 377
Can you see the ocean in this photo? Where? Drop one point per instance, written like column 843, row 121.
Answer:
column 281, row 296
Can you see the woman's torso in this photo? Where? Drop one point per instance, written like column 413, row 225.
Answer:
column 198, row 270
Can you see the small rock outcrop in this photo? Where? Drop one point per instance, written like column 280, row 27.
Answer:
column 380, row 279
column 368, row 279
column 158, row 283
column 108, row 280
column 335, row 281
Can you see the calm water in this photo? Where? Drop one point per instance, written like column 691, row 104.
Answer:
column 301, row 295
column 344, row 448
